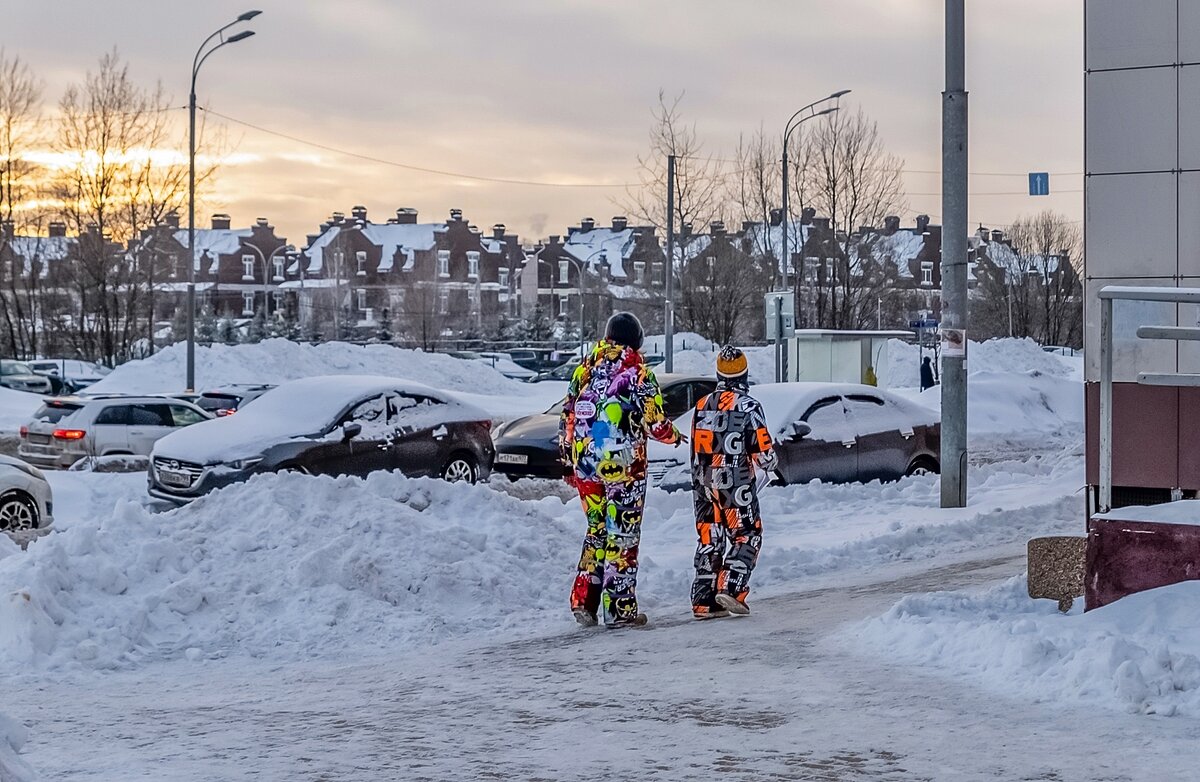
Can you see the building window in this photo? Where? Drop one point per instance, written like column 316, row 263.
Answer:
column 504, row 278
column 174, row 266
column 657, row 277
column 360, row 258
column 247, row 267
column 277, row 297
column 473, row 265
column 639, row 272
column 473, row 299
column 829, row 279
column 361, row 295
column 563, row 302
column 247, row 302
column 443, row 263
column 927, row 273
column 443, row 305
column 278, row 268
column 564, row 271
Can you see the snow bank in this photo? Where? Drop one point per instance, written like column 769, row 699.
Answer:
column 16, row 409
column 278, row 360
column 12, row 737
column 1137, row 654
column 318, row 567
column 1011, row 403
column 1005, row 355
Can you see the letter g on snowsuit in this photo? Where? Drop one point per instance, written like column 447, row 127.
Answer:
column 612, row 404
column 732, row 455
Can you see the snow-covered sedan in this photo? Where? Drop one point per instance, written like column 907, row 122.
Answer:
column 833, row 432
column 334, row 425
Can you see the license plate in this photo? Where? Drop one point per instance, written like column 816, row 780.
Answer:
column 172, row 478
column 512, row 458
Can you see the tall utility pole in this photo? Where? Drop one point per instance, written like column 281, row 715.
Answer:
column 954, row 258
column 669, row 306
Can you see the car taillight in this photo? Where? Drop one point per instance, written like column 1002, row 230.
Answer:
column 487, row 425
column 225, row 411
column 69, row 434
column 24, row 432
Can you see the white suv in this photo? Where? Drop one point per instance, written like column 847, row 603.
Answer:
column 66, row 429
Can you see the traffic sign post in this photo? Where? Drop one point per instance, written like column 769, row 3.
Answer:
column 1039, row 184
column 780, row 312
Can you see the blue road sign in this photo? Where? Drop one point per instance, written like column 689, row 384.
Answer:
column 928, row 323
column 1039, row 184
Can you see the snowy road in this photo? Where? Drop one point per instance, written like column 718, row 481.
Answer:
column 774, row 696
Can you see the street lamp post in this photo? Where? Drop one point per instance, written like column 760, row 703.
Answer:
column 579, row 274
column 266, row 266
column 197, row 61
column 797, row 119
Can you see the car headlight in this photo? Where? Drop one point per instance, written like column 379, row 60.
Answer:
column 30, row 470
column 244, row 464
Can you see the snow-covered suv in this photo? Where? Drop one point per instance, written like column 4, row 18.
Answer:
column 66, row 429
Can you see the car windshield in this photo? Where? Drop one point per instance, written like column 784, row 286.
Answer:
column 14, row 368
column 556, row 408
column 212, row 402
column 55, row 412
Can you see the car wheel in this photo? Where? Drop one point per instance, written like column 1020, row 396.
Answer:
column 460, row 468
column 922, row 466
column 296, row 468
column 18, row 511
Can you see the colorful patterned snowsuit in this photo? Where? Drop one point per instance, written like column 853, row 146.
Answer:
column 612, row 404
column 730, row 442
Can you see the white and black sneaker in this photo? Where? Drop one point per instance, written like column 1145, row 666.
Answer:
column 584, row 617
column 732, row 604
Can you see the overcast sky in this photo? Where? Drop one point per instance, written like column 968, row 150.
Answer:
column 562, row 90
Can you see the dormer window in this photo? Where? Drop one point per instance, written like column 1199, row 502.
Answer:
column 473, row 265
column 927, row 272
column 656, row 277
column 278, row 268
column 564, row 271
column 504, row 278
column 247, row 267
column 639, row 272
column 443, row 263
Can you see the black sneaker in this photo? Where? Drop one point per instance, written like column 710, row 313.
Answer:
column 584, row 617
column 638, row 621
column 709, row 613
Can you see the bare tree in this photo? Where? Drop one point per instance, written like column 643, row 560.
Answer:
column 755, row 187
column 845, row 172
column 1045, row 283
column 721, row 292
column 122, row 177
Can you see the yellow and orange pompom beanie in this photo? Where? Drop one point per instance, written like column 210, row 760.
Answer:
column 731, row 363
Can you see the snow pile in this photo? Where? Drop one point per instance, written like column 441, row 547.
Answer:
column 277, row 360
column 319, row 567
column 1006, row 355
column 12, row 737
column 1004, row 404
column 17, row 409
column 684, row 341
column 1138, row 654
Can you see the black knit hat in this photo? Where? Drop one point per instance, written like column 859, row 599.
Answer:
column 624, row 329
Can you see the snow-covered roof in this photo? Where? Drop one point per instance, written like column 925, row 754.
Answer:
column 767, row 240
column 403, row 237
column 298, row 409
column 602, row 244
column 1014, row 265
column 900, row 248
column 40, row 248
column 213, row 242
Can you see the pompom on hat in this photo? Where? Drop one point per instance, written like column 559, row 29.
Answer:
column 731, row 363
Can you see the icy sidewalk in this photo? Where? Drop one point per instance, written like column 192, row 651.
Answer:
column 767, row 697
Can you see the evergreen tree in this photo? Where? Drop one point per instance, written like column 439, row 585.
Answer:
column 256, row 330
column 206, row 326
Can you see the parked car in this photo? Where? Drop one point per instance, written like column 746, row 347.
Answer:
column 560, row 372
column 528, row 447
column 66, row 429
column 1062, row 350
column 75, row 374
column 19, row 376
column 497, row 361
column 833, row 432
column 227, row 400
column 337, row 425
column 535, row 359
column 26, row 502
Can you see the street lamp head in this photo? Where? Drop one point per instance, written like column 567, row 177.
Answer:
column 838, row 94
column 826, row 111
column 243, row 35
column 248, row 15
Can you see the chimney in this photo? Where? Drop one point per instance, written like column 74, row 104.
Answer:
column 498, row 231
column 58, row 228
column 406, row 215
column 808, row 216
column 262, row 222
column 93, row 229
column 685, row 230
column 776, row 217
column 820, row 223
column 984, row 233
column 310, row 238
column 554, row 239
column 8, row 229
column 172, row 219
column 747, row 225
column 586, row 224
column 997, row 236
column 891, row 224
column 922, row 223
column 456, row 214
column 220, row 221
column 716, row 228
column 359, row 212
column 337, row 218
column 864, row 230
column 620, row 223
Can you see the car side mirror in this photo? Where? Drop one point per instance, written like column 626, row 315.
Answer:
column 800, row 430
column 350, row 430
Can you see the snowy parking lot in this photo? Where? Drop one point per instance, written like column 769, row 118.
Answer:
column 310, row 628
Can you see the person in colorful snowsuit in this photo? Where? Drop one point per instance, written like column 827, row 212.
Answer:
column 732, row 458
column 612, row 404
